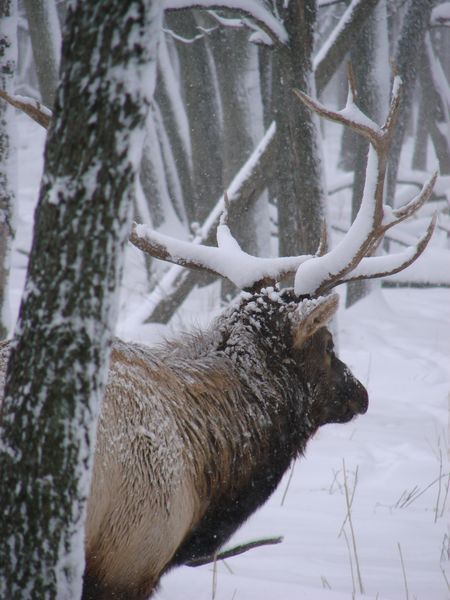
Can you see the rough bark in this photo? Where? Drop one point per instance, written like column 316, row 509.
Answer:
column 8, row 58
column 299, row 189
column 59, row 357
column 43, row 24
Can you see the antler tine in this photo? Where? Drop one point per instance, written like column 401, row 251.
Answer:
column 376, row 266
column 322, row 273
column 406, row 211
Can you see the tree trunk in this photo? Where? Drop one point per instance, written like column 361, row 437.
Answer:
column 238, row 83
column 299, row 187
column 59, row 357
column 432, row 80
column 331, row 55
column 203, row 110
column 419, row 159
column 369, row 58
column 8, row 158
column 45, row 32
column 407, row 60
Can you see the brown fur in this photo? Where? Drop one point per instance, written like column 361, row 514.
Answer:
column 194, row 436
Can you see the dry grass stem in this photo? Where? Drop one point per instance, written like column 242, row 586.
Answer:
column 214, row 579
column 291, row 474
column 404, row 571
column 352, row 531
column 351, row 502
column 438, row 499
column 446, row 578
column 351, row 564
column 444, row 502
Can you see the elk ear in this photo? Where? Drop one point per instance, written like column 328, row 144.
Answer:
column 311, row 315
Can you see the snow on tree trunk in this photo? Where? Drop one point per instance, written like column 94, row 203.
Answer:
column 45, row 32
column 8, row 60
column 407, row 61
column 59, row 357
column 339, row 42
column 238, row 82
column 299, row 184
column 203, row 110
column 436, row 94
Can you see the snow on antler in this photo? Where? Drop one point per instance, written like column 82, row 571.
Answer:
column 227, row 260
column 350, row 259
column 314, row 275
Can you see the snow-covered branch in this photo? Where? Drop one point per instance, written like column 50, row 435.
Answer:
column 34, row 109
column 252, row 9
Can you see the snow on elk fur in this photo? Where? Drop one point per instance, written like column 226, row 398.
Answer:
column 195, row 435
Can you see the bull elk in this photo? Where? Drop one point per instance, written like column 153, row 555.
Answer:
column 194, row 436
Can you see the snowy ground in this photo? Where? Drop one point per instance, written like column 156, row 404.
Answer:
column 398, row 343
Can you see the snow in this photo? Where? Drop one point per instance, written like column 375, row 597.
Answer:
column 440, row 14
column 251, row 8
column 397, row 342
column 331, row 39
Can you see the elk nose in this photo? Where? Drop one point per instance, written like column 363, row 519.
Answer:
column 361, row 402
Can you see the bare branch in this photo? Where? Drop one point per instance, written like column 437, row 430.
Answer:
column 252, row 9
column 34, row 109
column 235, row 551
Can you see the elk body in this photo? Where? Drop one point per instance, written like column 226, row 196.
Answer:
column 195, row 435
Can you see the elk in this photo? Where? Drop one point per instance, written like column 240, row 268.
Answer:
column 195, row 435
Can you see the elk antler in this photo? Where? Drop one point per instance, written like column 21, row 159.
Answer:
column 350, row 259
column 314, row 275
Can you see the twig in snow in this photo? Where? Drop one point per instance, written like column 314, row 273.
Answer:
column 235, row 551
column 445, row 577
column 436, row 510
column 403, row 570
column 445, row 496
column 404, row 502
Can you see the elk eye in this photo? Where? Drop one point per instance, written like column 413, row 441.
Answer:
column 330, row 347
